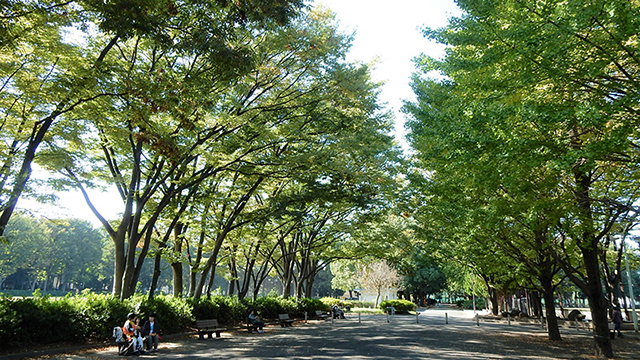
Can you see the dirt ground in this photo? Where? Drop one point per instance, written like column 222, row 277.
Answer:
column 372, row 337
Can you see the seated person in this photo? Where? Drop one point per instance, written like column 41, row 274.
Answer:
column 150, row 331
column 336, row 312
column 132, row 330
column 255, row 321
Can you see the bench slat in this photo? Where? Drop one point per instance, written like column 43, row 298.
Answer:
column 208, row 326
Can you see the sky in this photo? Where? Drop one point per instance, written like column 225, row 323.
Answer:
column 388, row 32
column 387, row 35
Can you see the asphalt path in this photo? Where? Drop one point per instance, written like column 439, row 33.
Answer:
column 371, row 337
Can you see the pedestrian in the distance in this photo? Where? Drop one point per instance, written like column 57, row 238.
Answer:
column 616, row 318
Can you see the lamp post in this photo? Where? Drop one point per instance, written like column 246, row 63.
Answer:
column 633, row 303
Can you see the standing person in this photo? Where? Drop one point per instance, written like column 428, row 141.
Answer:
column 255, row 321
column 132, row 330
column 150, row 331
column 616, row 317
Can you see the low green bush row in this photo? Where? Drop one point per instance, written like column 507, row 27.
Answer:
column 468, row 304
column 328, row 301
column 400, row 306
column 92, row 317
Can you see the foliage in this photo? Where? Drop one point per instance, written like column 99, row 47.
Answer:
column 468, row 304
column 38, row 320
column 400, row 306
column 527, row 144
column 44, row 320
column 173, row 314
column 270, row 307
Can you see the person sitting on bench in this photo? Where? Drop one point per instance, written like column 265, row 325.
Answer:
column 132, row 330
column 255, row 321
column 150, row 331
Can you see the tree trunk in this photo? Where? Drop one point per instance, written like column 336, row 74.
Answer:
column 156, row 274
column 40, row 129
column 550, row 309
column 593, row 286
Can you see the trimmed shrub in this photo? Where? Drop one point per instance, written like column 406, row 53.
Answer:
column 38, row 320
column 310, row 306
column 269, row 307
column 227, row 310
column 328, row 301
column 99, row 314
column 92, row 317
column 173, row 314
column 400, row 306
column 468, row 304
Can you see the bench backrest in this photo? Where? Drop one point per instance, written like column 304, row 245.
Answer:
column 209, row 323
column 283, row 316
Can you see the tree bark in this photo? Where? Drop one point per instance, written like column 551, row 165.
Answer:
column 550, row 309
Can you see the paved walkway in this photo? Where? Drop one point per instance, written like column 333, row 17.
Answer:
column 374, row 338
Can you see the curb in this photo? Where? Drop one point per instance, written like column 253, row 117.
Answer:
column 46, row 352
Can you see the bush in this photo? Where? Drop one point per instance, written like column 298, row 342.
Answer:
column 359, row 304
column 468, row 304
column 92, row 317
column 400, row 306
column 328, row 301
column 227, row 310
column 310, row 306
column 38, row 320
column 173, row 314
column 99, row 314
column 269, row 307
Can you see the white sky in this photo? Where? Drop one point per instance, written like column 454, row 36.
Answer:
column 389, row 32
column 386, row 33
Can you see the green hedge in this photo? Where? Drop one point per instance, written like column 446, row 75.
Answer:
column 92, row 317
column 328, row 301
column 468, row 304
column 400, row 306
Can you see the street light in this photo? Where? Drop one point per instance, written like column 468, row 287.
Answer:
column 633, row 302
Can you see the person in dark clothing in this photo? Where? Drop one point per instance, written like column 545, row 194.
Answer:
column 255, row 321
column 616, row 318
column 150, row 331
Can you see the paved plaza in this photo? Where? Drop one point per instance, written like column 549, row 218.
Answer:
column 373, row 338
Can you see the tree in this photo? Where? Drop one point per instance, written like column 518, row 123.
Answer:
column 29, row 251
column 344, row 276
column 377, row 276
column 421, row 277
column 549, row 86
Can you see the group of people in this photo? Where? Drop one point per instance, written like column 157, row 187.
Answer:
column 336, row 312
column 140, row 334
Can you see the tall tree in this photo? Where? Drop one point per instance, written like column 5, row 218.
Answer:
column 550, row 83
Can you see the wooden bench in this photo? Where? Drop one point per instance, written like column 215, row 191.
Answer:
column 249, row 326
column 320, row 315
column 285, row 320
column 208, row 327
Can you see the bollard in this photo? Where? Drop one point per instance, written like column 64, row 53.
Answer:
column 417, row 322
column 332, row 319
column 509, row 319
column 305, row 317
column 387, row 317
column 359, row 318
column 477, row 320
column 446, row 318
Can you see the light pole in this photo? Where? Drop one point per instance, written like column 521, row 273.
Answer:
column 633, row 302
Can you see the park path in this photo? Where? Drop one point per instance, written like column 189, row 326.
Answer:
column 373, row 338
